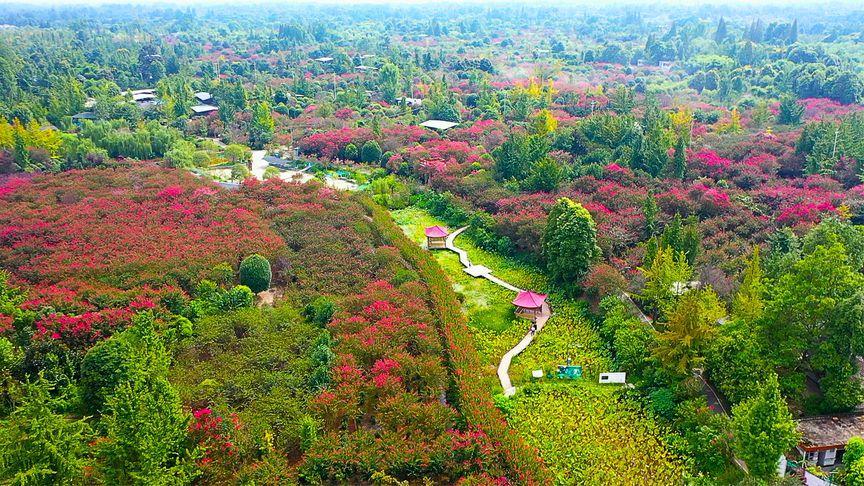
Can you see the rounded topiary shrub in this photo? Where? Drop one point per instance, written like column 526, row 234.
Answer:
column 255, row 273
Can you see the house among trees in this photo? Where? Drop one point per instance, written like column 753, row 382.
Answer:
column 436, row 237
column 823, row 438
column 203, row 97
column 203, row 110
column 529, row 304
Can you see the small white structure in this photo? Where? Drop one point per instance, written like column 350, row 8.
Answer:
column 537, row 374
column 618, row 378
column 203, row 97
column 477, row 271
column 323, row 59
column 412, row 102
column 680, row 288
column 438, row 124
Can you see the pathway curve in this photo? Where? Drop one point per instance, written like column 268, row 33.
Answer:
column 481, row 271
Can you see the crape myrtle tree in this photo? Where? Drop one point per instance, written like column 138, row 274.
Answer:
column 569, row 242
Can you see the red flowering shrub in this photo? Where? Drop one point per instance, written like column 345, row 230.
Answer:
column 330, row 144
column 120, row 230
column 214, row 435
column 603, row 280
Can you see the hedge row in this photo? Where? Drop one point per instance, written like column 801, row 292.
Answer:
column 467, row 391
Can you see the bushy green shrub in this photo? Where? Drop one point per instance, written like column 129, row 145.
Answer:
column 238, row 297
column 255, row 273
column 371, row 152
column 320, row 310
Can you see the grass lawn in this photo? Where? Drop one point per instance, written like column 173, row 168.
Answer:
column 486, row 305
column 584, row 432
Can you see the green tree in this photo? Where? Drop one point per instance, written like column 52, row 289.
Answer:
column 569, row 242
column 124, row 357
column 255, row 273
column 517, row 155
column 261, row 126
column 650, row 210
column 814, row 321
column 668, row 268
column 145, row 425
column 389, row 80
column 238, row 154
column 239, row 172
column 232, row 97
column 748, row 302
column 763, row 430
column 544, row 176
column 145, row 436
column 853, row 460
column 722, row 31
column 181, row 155
column 370, row 152
column 177, row 96
column 790, row 111
column 271, row 172
column 685, row 336
column 40, row 446
column 679, row 159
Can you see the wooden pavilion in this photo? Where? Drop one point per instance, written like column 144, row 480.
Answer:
column 529, row 304
column 436, row 237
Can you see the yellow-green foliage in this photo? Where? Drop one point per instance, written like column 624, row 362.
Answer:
column 587, row 436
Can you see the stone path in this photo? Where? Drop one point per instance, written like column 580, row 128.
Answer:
column 479, row 271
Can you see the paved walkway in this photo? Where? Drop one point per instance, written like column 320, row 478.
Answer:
column 504, row 366
column 480, row 271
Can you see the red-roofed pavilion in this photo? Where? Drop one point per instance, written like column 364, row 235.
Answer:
column 529, row 304
column 436, row 237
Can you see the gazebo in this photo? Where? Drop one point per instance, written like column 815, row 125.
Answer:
column 529, row 304
column 436, row 237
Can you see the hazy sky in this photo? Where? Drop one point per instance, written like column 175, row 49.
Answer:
column 827, row 4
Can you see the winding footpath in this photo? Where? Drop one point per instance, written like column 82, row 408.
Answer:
column 481, row 271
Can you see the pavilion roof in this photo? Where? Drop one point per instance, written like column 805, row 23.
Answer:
column 529, row 300
column 436, row 232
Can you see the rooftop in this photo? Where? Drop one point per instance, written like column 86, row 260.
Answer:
column 529, row 300
column 143, row 96
column 438, row 124
column 830, row 430
column 436, row 232
column 204, row 108
column 85, row 115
